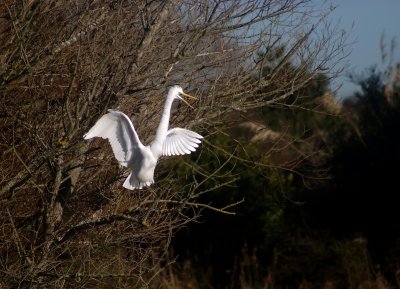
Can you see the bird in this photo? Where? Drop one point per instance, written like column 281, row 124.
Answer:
column 129, row 150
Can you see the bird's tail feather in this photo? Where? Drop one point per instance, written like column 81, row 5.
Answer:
column 132, row 183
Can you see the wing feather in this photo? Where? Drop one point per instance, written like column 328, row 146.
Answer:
column 180, row 141
column 180, row 147
column 118, row 129
column 174, row 148
column 168, row 149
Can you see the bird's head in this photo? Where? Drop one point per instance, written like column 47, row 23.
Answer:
column 177, row 93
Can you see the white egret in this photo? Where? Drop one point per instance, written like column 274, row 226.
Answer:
column 130, row 152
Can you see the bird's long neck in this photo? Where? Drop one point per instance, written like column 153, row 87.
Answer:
column 162, row 129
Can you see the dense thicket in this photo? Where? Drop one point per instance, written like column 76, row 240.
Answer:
column 65, row 220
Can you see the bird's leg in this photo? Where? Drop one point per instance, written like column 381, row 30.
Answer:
column 152, row 207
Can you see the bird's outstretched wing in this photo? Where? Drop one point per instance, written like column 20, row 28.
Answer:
column 118, row 129
column 180, row 141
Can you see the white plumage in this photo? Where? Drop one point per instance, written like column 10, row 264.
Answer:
column 130, row 152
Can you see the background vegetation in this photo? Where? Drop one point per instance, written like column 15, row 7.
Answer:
column 330, row 222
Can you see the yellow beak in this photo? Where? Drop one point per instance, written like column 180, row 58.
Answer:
column 189, row 96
